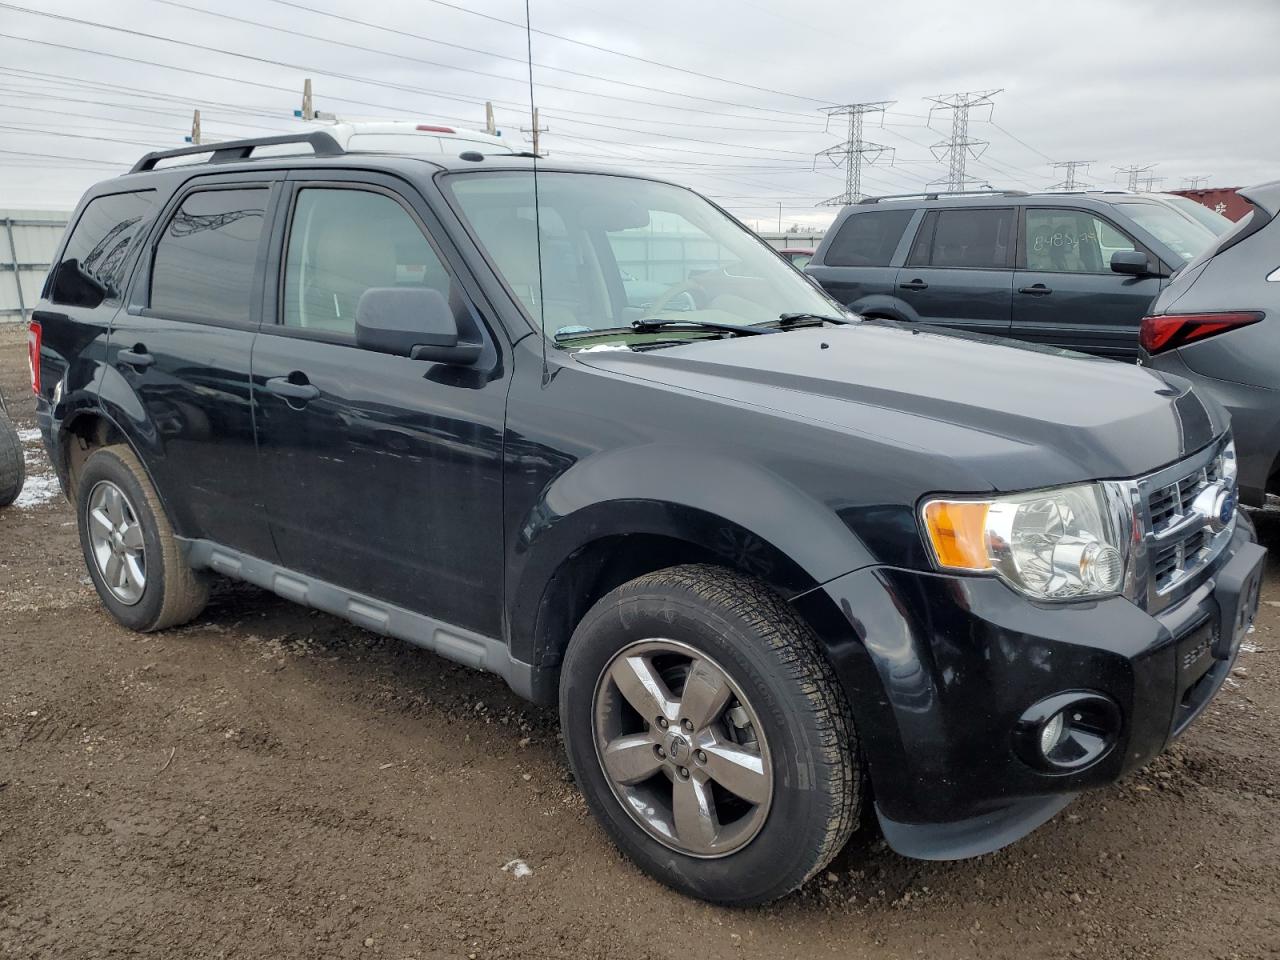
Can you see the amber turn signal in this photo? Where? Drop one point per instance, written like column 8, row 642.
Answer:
column 956, row 530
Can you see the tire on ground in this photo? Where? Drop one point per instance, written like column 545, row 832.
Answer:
column 774, row 658
column 173, row 593
column 13, row 469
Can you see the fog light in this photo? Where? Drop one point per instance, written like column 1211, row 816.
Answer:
column 1068, row 731
column 1051, row 733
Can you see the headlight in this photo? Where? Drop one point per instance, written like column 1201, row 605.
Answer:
column 1062, row 544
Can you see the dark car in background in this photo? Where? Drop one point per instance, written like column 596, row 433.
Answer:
column 1216, row 325
column 1074, row 270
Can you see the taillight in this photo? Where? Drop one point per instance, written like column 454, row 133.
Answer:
column 34, row 338
column 1170, row 330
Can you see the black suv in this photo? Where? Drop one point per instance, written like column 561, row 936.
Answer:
column 1074, row 270
column 773, row 562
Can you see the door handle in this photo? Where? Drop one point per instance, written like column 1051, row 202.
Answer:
column 297, row 388
column 138, row 358
column 1036, row 290
column 914, row 285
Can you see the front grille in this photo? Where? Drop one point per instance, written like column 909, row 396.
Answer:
column 1179, row 541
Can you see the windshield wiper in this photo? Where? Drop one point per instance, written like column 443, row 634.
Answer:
column 654, row 325
column 788, row 320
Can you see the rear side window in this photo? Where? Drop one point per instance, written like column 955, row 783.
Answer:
column 976, row 239
column 97, row 252
column 868, row 239
column 206, row 257
column 344, row 242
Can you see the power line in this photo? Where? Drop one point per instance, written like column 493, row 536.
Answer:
column 1134, row 172
column 1069, row 181
column 960, row 147
column 854, row 151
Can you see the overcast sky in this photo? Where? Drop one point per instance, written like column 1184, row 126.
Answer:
column 724, row 95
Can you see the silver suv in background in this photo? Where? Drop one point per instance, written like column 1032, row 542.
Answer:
column 1215, row 324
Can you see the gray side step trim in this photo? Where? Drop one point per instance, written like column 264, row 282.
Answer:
column 472, row 649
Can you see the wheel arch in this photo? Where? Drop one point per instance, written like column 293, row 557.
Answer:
column 885, row 306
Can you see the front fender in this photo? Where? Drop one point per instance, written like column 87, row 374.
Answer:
column 752, row 520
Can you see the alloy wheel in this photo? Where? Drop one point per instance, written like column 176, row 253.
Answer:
column 115, row 538
column 682, row 748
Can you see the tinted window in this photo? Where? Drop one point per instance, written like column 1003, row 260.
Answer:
column 98, row 249
column 1185, row 237
column 868, row 239
column 344, row 242
column 1071, row 241
column 205, row 259
column 968, row 238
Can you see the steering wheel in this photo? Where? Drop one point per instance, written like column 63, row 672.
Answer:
column 685, row 286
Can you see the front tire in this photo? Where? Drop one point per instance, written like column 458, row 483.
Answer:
column 709, row 735
column 129, row 547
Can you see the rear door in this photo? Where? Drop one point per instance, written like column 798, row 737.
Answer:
column 181, row 352
column 856, row 266
column 1065, row 292
column 382, row 474
column 959, row 272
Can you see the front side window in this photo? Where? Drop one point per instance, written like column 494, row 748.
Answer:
column 868, row 239
column 977, row 239
column 1070, row 241
column 206, row 257
column 97, row 252
column 601, row 251
column 344, row 242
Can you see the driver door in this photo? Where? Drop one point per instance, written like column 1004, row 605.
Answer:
column 382, row 474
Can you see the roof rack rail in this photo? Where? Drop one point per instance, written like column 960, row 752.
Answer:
column 322, row 143
column 935, row 194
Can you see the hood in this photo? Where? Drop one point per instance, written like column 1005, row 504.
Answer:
column 1014, row 416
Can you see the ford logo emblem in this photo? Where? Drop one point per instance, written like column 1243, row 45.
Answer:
column 1228, row 508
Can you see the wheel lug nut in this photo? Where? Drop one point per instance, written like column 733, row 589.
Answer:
column 661, row 754
column 662, row 723
column 684, row 773
column 700, row 756
column 687, row 725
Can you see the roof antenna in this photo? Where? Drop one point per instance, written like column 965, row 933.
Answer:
column 537, row 222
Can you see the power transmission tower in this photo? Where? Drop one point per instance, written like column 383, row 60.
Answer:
column 1150, row 183
column 1069, row 181
column 1134, row 172
column 1193, row 183
column 960, row 147
column 854, row 151
column 535, row 131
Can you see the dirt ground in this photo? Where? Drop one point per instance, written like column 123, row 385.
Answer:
column 272, row 782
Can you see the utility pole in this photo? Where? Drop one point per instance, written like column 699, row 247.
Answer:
column 1193, row 183
column 195, row 128
column 535, row 132
column 1069, row 181
column 1134, row 172
column 853, row 152
column 779, row 216
column 490, row 127
column 308, row 105
column 960, row 147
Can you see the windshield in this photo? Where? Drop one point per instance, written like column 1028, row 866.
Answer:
column 619, row 249
column 1201, row 214
column 1187, row 238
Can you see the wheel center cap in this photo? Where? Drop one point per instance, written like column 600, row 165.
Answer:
column 678, row 748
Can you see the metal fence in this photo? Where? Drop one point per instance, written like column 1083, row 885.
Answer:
column 28, row 241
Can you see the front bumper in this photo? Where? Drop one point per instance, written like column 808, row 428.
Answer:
column 939, row 669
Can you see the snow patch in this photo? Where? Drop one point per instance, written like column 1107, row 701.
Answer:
column 518, row 869
column 29, row 435
column 42, row 484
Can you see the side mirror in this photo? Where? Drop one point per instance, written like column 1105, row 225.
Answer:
column 1133, row 262
column 414, row 322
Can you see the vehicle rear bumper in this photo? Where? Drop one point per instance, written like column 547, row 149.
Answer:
column 942, row 671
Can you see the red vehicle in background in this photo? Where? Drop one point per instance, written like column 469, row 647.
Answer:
column 799, row 256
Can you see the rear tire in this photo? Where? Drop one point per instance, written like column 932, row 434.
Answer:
column 129, row 547
column 757, row 828
column 13, row 468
